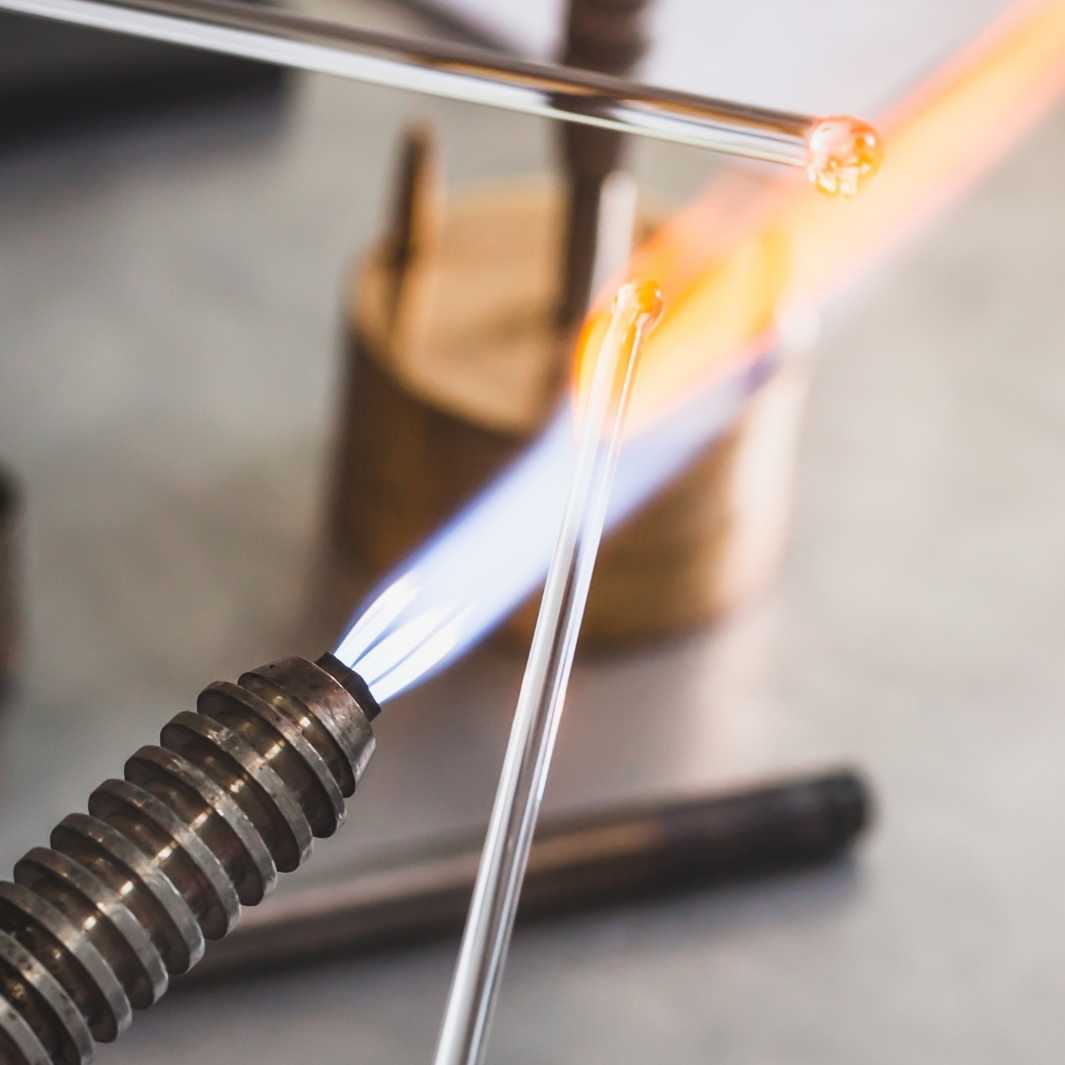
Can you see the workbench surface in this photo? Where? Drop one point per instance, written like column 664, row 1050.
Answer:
column 169, row 319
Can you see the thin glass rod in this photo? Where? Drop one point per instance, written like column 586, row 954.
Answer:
column 461, row 73
column 486, row 938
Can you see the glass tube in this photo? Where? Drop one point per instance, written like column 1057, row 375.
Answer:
column 601, row 414
column 444, row 69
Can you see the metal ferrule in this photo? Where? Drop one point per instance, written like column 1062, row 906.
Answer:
column 126, row 896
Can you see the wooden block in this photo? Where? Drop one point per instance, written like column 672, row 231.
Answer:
column 441, row 399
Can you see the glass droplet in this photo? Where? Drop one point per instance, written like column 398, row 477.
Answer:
column 640, row 300
column 842, row 153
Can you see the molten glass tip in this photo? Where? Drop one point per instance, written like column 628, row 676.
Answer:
column 842, row 154
column 640, row 302
column 635, row 309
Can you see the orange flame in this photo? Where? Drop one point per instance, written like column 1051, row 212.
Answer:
column 731, row 260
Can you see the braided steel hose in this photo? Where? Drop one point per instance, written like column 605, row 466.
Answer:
column 93, row 927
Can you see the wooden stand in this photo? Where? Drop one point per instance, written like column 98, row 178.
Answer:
column 454, row 365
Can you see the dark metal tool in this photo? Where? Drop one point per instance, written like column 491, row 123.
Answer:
column 10, row 597
column 93, row 927
column 61, row 77
column 609, row 37
column 580, row 862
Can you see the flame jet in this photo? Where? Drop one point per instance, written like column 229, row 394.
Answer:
column 719, row 267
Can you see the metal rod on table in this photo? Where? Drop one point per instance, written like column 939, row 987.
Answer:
column 591, row 859
column 445, row 69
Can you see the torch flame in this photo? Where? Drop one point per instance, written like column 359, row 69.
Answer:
column 726, row 266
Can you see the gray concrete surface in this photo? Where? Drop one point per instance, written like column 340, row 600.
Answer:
column 168, row 319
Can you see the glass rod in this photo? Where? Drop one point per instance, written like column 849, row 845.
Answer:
column 600, row 410
column 451, row 70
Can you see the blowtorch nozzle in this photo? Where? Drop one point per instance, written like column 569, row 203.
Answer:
column 93, row 927
column 352, row 683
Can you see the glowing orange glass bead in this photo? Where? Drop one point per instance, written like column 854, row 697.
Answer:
column 842, row 154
